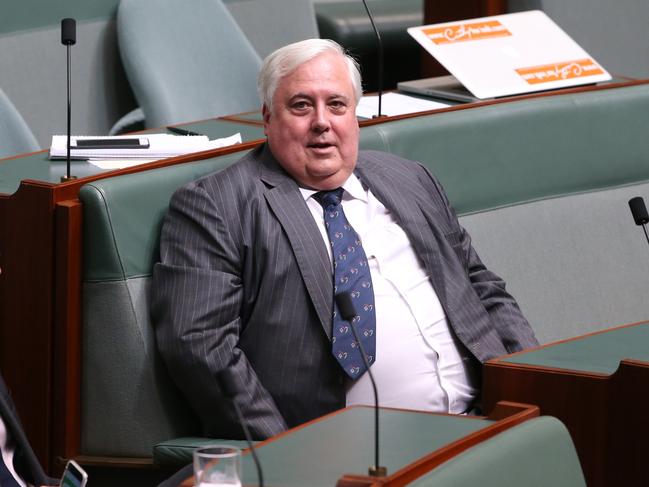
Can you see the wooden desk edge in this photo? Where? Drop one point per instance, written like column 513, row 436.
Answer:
column 506, row 414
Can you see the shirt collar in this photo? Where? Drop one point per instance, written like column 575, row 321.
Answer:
column 353, row 188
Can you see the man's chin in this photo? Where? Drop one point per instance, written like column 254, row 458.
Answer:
column 328, row 180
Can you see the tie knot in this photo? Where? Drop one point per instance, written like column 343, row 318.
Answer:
column 329, row 198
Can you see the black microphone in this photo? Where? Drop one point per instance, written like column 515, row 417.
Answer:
column 348, row 312
column 68, row 38
column 230, row 388
column 380, row 45
column 639, row 212
column 68, row 32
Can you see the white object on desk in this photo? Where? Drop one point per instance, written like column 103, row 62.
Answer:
column 160, row 147
column 393, row 104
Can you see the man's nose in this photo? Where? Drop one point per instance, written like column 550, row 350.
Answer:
column 320, row 121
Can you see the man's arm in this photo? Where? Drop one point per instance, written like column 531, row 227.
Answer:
column 196, row 307
column 506, row 317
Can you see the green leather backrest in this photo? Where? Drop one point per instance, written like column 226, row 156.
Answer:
column 486, row 158
column 532, row 149
column 123, row 216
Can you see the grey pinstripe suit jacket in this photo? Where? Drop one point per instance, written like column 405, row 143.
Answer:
column 245, row 282
column 25, row 462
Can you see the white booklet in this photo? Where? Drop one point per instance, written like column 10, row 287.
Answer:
column 393, row 104
column 133, row 147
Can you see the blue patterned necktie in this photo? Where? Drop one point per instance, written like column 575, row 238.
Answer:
column 351, row 275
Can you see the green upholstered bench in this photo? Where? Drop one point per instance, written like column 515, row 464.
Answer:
column 536, row 453
column 540, row 183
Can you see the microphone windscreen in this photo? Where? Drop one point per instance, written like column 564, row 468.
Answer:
column 639, row 210
column 68, row 32
column 345, row 306
column 227, row 383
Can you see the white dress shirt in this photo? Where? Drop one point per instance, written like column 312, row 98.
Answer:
column 420, row 364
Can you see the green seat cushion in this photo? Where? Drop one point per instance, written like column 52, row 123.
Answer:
column 178, row 451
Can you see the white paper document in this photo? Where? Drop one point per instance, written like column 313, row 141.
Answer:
column 160, row 146
column 395, row 104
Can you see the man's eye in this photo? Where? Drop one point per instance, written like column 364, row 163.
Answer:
column 338, row 105
column 300, row 105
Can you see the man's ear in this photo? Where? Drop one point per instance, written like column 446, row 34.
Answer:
column 265, row 113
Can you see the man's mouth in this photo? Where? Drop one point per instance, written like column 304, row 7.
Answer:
column 320, row 145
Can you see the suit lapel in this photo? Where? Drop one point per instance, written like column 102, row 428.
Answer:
column 288, row 205
column 411, row 213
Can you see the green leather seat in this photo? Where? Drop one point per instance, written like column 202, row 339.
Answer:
column 15, row 135
column 186, row 61
column 536, row 453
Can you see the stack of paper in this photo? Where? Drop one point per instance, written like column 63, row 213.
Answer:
column 393, row 104
column 160, row 146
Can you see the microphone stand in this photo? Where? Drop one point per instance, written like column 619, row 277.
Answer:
column 380, row 44
column 68, row 38
column 68, row 177
column 347, row 311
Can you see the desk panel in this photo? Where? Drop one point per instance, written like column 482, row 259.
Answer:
column 338, row 448
column 597, row 386
column 317, row 456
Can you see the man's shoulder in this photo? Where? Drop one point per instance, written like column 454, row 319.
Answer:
column 237, row 180
column 395, row 167
column 388, row 161
column 240, row 172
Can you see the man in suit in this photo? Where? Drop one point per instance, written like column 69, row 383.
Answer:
column 19, row 465
column 249, row 256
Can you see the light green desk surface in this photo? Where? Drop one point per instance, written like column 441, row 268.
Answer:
column 38, row 166
column 319, row 454
column 251, row 116
column 599, row 353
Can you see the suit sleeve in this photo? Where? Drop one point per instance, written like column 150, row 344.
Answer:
column 197, row 294
column 505, row 315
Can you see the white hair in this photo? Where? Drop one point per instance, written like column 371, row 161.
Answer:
column 287, row 59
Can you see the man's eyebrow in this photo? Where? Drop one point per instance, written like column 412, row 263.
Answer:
column 300, row 95
column 310, row 97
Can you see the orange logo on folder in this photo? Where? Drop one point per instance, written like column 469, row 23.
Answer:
column 467, row 32
column 559, row 71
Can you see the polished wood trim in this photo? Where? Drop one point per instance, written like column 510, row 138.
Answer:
column 239, row 118
column 20, row 156
column 626, row 453
column 26, row 309
column 66, row 377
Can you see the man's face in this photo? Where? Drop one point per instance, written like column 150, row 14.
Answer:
column 312, row 130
